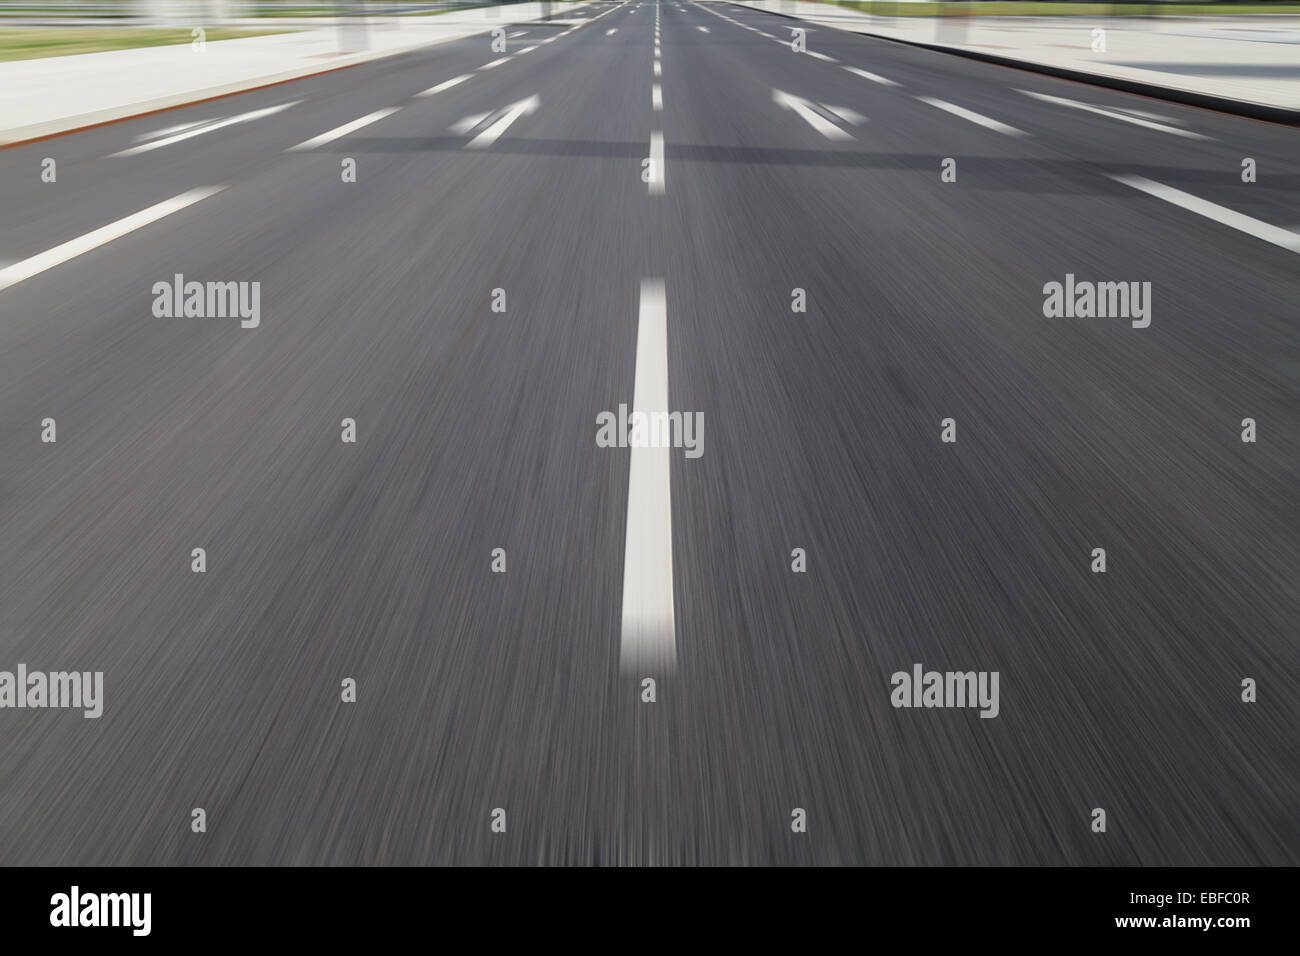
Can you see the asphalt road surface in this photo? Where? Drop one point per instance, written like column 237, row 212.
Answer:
column 476, row 430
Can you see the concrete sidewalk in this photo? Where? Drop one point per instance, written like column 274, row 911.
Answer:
column 51, row 95
column 1252, row 60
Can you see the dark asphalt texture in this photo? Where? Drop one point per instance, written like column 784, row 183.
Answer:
column 477, row 431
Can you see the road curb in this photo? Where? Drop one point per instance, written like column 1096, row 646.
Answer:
column 33, row 133
column 1222, row 104
column 22, row 135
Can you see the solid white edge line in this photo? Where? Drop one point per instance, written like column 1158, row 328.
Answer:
column 648, row 643
column 37, row 264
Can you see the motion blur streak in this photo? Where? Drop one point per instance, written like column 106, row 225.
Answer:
column 371, row 560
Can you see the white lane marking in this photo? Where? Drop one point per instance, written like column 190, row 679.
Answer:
column 648, row 641
column 703, row 29
column 657, row 97
column 550, row 38
column 518, row 34
column 974, row 117
column 462, row 126
column 26, row 268
column 848, row 115
column 804, row 110
column 821, row 56
column 495, row 63
column 445, row 85
column 657, row 184
column 1151, row 116
column 873, row 77
column 659, row 70
column 1101, row 111
column 167, row 131
column 511, row 113
column 340, row 131
column 611, row 31
column 1220, row 214
column 206, row 128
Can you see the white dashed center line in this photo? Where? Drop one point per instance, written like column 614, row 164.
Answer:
column 1220, row 214
column 1101, row 111
column 974, row 117
column 873, row 77
column 657, row 185
column 648, row 641
column 445, row 85
column 340, row 131
column 36, row 264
